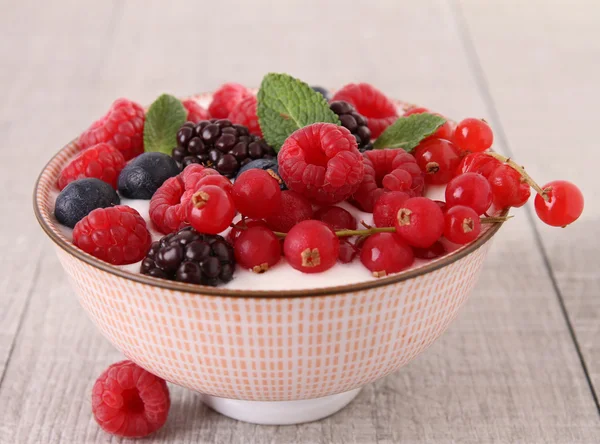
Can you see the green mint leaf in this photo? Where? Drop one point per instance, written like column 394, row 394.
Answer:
column 163, row 119
column 286, row 104
column 407, row 132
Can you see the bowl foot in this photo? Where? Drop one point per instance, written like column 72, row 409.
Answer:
column 280, row 412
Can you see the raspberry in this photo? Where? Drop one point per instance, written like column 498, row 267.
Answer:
column 388, row 170
column 386, row 208
column 195, row 111
column 129, row 401
column 336, row 217
column 322, row 162
column 371, row 103
column 166, row 209
column 420, row 222
column 354, row 122
column 188, row 256
column 210, row 209
column 294, row 209
column 257, row 249
column 386, row 253
column 564, row 205
column 256, row 194
column 461, row 225
column 226, row 98
column 101, row 161
column 311, row 247
column 122, row 127
column 117, row 235
column 244, row 113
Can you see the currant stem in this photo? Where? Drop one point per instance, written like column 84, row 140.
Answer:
column 526, row 177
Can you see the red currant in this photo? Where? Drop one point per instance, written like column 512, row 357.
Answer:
column 477, row 163
column 210, row 209
column 461, row 225
column 347, row 251
column 438, row 159
column 257, row 249
column 420, row 222
column 508, row 189
column 242, row 226
column 294, row 208
column 469, row 189
column 441, row 204
column 336, row 217
column 436, row 250
column 311, row 247
column 218, row 180
column 473, row 135
column 256, row 194
column 386, row 208
column 564, row 205
column 386, row 253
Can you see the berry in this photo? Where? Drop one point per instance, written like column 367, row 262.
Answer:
column 145, row 174
column 191, row 257
column 256, row 194
column 166, row 209
column 473, row 135
column 336, row 217
column 129, row 401
column 386, row 208
column 294, row 208
column 311, row 247
column 257, row 249
column 353, row 122
column 347, row 251
column 477, row 163
column 226, row 98
column 244, row 113
column 323, row 91
column 445, row 131
column 269, row 165
column 508, row 190
column 210, row 209
column 242, row 226
column 322, row 162
column 117, row 235
column 388, row 170
column 436, row 250
column 215, row 179
column 471, row 190
column 195, row 112
column 441, row 204
column 101, row 161
column 461, row 224
column 386, row 253
column 81, row 197
column 122, row 127
column 416, row 110
column 564, row 205
column 220, row 145
column 371, row 103
column 420, row 222
column 438, row 159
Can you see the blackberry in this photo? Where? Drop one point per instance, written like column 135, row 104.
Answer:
column 354, row 122
column 269, row 165
column 219, row 144
column 192, row 257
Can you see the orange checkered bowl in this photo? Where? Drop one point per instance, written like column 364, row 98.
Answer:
column 270, row 357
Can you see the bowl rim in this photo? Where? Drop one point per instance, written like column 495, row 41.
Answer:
column 139, row 278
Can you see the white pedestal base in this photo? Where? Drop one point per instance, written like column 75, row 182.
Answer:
column 280, row 412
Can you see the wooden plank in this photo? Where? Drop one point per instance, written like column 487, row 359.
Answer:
column 543, row 77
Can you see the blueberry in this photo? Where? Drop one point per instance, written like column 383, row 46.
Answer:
column 145, row 174
column 323, row 91
column 80, row 197
column 265, row 164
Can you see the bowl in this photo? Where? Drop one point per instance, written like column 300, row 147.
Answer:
column 263, row 356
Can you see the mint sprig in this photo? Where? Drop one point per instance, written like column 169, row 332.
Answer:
column 286, row 104
column 163, row 119
column 408, row 132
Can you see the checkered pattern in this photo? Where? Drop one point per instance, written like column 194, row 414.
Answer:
column 266, row 349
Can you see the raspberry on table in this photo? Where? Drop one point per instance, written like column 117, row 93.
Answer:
column 322, row 162
column 294, row 208
column 122, row 127
column 371, row 103
column 226, row 98
column 129, row 401
column 244, row 113
column 117, row 235
column 195, row 111
column 102, row 161
column 354, row 122
column 81, row 197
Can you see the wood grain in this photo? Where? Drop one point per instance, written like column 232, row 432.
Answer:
column 507, row 370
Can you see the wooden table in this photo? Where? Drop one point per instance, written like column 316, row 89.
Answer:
column 521, row 363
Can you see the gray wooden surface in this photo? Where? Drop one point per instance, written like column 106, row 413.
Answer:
column 522, row 361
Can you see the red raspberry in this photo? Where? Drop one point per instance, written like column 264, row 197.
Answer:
column 195, row 111
column 388, row 170
column 101, row 161
column 311, row 247
column 244, row 113
column 371, row 103
column 121, row 127
column 226, row 98
column 117, row 235
column 294, row 209
column 130, row 401
column 322, row 162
